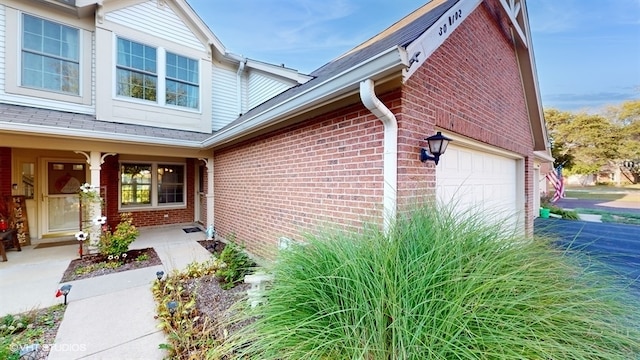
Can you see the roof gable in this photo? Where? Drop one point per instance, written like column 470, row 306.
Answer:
column 415, row 38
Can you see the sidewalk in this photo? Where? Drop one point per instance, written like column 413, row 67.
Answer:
column 109, row 316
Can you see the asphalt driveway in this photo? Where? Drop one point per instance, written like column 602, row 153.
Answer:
column 616, row 245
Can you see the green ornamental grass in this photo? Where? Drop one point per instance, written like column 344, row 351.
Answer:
column 438, row 286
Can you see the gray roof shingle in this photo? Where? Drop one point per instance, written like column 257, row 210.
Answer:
column 25, row 115
column 402, row 36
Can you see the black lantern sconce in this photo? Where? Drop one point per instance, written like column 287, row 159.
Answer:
column 437, row 146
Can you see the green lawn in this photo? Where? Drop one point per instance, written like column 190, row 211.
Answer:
column 626, row 194
column 630, row 194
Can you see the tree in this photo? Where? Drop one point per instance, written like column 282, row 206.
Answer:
column 585, row 143
column 627, row 119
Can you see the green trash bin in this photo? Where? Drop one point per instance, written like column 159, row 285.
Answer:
column 544, row 213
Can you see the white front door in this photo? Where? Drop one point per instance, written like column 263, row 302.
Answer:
column 61, row 200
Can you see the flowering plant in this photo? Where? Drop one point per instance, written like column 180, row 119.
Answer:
column 116, row 243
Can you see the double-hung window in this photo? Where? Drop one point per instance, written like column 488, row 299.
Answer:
column 136, row 70
column 50, row 56
column 182, row 81
column 140, row 74
column 152, row 185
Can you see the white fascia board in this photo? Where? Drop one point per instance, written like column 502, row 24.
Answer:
column 97, row 135
column 427, row 43
column 281, row 71
column 543, row 156
column 393, row 59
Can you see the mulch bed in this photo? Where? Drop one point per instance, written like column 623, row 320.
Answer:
column 130, row 263
column 213, row 246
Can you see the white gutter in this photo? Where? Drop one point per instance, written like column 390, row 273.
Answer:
column 390, row 155
column 239, row 85
column 392, row 60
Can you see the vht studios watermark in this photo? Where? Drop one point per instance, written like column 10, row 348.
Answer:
column 23, row 348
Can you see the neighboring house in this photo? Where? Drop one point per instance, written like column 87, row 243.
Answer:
column 157, row 99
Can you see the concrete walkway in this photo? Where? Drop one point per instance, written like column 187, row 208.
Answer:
column 109, row 316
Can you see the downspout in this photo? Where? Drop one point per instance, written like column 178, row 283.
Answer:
column 390, row 156
column 243, row 62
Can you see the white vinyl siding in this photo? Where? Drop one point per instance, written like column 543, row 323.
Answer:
column 2, row 46
column 263, row 88
column 157, row 20
column 224, row 97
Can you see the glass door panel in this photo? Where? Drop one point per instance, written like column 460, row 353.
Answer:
column 61, row 199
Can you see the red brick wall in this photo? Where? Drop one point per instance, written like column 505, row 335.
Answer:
column 471, row 86
column 110, row 175
column 5, row 171
column 329, row 169
column 326, row 170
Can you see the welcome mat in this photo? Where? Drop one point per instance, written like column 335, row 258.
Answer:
column 57, row 243
column 191, row 229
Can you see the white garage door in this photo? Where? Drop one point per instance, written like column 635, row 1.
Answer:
column 475, row 180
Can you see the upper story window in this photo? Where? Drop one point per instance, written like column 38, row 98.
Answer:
column 140, row 74
column 50, row 55
column 136, row 72
column 182, row 81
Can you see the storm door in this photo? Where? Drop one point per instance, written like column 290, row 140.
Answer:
column 61, row 199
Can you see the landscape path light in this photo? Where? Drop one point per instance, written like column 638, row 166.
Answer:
column 159, row 275
column 29, row 352
column 172, row 306
column 64, row 291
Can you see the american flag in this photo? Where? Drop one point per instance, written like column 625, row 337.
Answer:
column 557, row 181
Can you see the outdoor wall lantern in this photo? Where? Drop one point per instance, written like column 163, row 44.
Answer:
column 437, row 146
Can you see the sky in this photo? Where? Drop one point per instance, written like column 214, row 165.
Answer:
column 587, row 52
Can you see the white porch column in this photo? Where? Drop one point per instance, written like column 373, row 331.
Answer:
column 208, row 162
column 95, row 159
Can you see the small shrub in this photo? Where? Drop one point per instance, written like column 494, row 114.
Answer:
column 436, row 287
column 190, row 335
column 566, row 214
column 234, row 265
column 143, row 257
column 117, row 242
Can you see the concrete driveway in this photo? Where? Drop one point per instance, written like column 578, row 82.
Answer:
column 616, row 245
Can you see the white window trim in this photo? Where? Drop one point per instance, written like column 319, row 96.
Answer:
column 161, row 74
column 13, row 82
column 154, row 187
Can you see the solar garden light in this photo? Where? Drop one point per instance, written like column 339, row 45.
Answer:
column 81, row 236
column 64, row 291
column 29, row 352
column 159, row 275
column 437, row 146
column 172, row 306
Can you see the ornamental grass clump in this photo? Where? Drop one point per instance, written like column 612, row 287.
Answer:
column 438, row 286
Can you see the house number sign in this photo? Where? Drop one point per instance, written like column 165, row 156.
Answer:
column 451, row 20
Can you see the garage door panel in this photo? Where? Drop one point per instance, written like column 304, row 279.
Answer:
column 478, row 181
